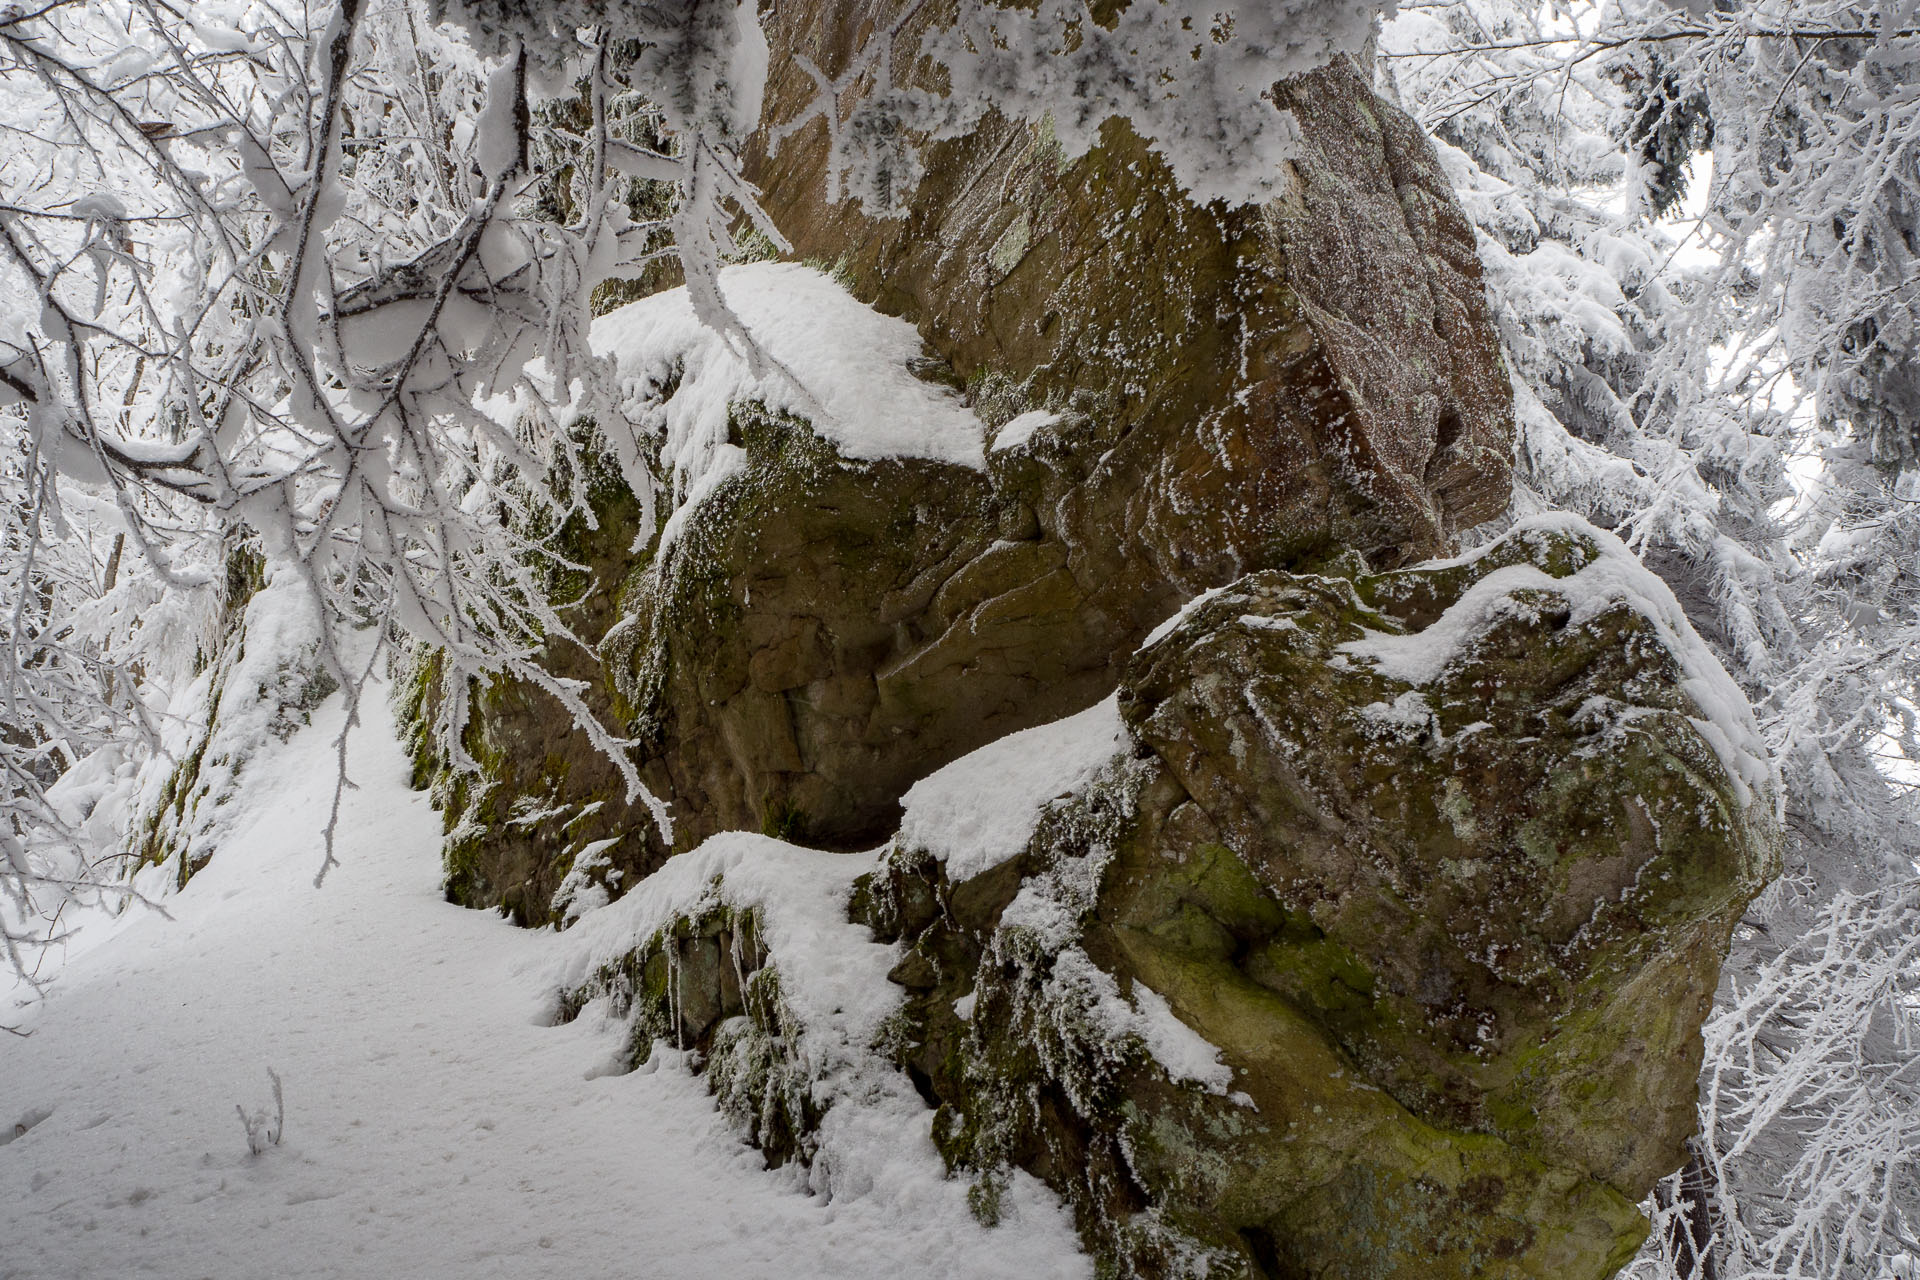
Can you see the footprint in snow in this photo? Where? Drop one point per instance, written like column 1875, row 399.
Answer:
column 20, row 1128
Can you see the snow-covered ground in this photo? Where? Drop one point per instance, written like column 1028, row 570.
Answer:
column 435, row 1126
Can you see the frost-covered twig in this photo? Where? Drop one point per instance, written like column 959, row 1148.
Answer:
column 264, row 1131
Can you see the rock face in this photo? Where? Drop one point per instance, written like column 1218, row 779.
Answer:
column 1374, row 941
column 1322, row 366
column 1443, row 861
column 1494, row 816
column 1179, row 396
column 543, row 795
column 1378, row 949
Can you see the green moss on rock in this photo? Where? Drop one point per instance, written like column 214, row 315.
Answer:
column 824, row 631
column 536, row 791
column 1456, row 960
column 704, row 984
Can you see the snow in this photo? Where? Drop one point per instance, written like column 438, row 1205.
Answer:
column 1052, row 906
column 1614, row 577
column 1192, row 80
column 1406, row 715
column 831, row 971
column 435, row 1124
column 1075, row 982
column 1187, row 610
column 1184, row 1052
column 497, row 136
column 1018, row 431
column 981, row 810
column 579, row 893
column 874, row 1135
column 834, row 361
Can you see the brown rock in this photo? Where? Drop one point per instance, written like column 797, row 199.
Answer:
column 1455, row 940
column 1233, row 390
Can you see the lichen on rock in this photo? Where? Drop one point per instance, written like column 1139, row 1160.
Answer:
column 1454, row 940
column 701, row 984
column 533, row 796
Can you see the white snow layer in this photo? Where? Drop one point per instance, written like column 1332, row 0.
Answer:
column 1018, row 431
column 1077, row 982
column 1171, row 622
column 874, row 1137
column 981, row 810
column 1184, row 1052
column 831, row 970
column 435, row 1125
column 1616, row 577
column 834, row 361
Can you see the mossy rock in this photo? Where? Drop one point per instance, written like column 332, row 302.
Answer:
column 705, row 983
column 1323, row 364
column 1457, row 962
column 1229, row 390
column 539, row 791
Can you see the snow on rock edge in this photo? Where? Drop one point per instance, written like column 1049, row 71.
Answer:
column 872, row 1137
column 835, row 361
column 981, row 810
column 1615, row 577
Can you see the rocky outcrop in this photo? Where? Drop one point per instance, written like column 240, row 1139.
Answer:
column 1175, row 396
column 1322, row 366
column 262, row 683
column 1378, row 948
column 1364, row 925
column 1443, row 861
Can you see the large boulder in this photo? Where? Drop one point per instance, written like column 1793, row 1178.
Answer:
column 1322, row 366
column 1366, row 932
column 1442, row 864
column 1167, row 396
